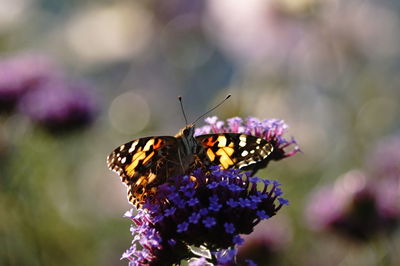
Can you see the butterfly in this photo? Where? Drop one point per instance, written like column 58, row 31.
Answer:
column 145, row 163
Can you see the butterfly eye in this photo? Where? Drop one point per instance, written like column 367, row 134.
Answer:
column 188, row 131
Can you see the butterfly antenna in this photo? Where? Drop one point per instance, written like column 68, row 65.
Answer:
column 183, row 110
column 212, row 109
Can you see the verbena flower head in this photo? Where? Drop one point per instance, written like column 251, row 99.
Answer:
column 60, row 106
column 270, row 129
column 23, row 73
column 355, row 206
column 206, row 209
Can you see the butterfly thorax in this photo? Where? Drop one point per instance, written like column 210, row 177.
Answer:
column 190, row 145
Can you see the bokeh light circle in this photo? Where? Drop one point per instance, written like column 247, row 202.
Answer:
column 129, row 113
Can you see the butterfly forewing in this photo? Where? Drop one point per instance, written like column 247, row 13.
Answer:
column 234, row 150
column 145, row 163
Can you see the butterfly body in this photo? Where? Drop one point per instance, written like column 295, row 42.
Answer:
column 146, row 163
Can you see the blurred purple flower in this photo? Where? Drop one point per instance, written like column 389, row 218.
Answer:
column 387, row 194
column 60, row 106
column 355, row 206
column 270, row 129
column 217, row 229
column 21, row 74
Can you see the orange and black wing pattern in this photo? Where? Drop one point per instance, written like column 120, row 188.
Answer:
column 143, row 164
column 235, row 150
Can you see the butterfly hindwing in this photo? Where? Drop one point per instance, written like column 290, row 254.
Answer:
column 235, row 150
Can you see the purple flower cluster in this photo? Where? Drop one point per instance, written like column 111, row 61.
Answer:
column 60, row 106
column 199, row 217
column 355, row 206
column 35, row 86
column 21, row 74
column 148, row 248
column 361, row 204
column 270, row 129
column 206, row 209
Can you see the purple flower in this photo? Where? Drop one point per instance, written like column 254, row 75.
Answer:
column 154, row 250
column 262, row 215
column 212, row 222
column 194, row 218
column 169, row 211
column 232, row 203
column 21, row 74
column 193, row 201
column 387, row 193
column 210, row 208
column 60, row 106
column 226, row 257
column 238, row 240
column 355, row 206
column 182, row 227
column 209, row 222
column 271, row 130
column 229, row 228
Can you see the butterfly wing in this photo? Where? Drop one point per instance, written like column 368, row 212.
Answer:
column 235, row 150
column 144, row 163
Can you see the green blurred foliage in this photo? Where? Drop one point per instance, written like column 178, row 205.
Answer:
column 330, row 69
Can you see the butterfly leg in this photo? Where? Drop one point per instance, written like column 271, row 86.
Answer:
column 180, row 160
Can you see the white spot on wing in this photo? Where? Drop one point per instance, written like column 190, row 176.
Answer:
column 244, row 153
column 133, row 146
column 242, row 139
column 148, row 145
column 123, row 160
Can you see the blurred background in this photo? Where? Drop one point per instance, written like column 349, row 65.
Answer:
column 78, row 78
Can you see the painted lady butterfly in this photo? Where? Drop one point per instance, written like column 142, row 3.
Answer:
column 146, row 163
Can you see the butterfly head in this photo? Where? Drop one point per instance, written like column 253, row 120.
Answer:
column 186, row 132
